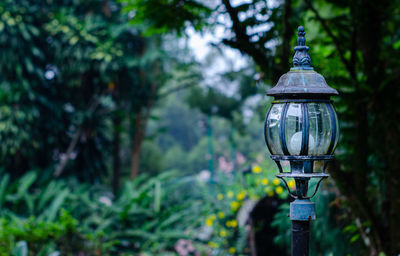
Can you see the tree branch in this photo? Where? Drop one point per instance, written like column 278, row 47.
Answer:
column 75, row 138
column 242, row 40
column 350, row 68
column 178, row 88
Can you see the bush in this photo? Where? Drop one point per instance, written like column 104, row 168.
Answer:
column 327, row 230
column 20, row 237
column 159, row 215
column 229, row 203
column 149, row 216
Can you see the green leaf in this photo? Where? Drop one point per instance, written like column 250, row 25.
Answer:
column 157, row 196
column 354, row 238
column 25, row 183
column 3, row 187
column 21, row 249
column 51, row 213
column 396, row 45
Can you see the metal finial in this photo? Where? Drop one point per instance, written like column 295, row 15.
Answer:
column 301, row 58
column 301, row 40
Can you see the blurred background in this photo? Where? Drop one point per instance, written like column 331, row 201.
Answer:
column 135, row 127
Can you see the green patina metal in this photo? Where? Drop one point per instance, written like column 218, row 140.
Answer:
column 301, row 80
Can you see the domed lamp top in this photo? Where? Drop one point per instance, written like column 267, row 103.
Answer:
column 301, row 81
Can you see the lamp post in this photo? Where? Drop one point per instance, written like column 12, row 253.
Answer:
column 301, row 127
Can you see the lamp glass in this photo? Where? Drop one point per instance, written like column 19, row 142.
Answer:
column 293, row 128
column 273, row 124
column 320, row 128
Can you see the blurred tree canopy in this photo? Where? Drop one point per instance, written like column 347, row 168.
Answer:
column 70, row 70
column 52, row 83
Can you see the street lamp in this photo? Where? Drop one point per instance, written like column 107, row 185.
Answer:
column 301, row 127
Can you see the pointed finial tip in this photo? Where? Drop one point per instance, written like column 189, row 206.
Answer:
column 300, row 31
column 301, row 57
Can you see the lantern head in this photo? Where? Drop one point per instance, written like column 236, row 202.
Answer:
column 301, row 126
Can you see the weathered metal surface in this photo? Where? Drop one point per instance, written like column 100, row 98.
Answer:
column 301, row 82
column 301, row 57
column 282, row 134
column 301, row 101
column 300, row 158
column 305, row 129
column 303, row 175
column 302, row 79
column 302, row 210
column 302, row 184
column 300, row 238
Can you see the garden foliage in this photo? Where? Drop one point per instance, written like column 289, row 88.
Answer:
column 91, row 93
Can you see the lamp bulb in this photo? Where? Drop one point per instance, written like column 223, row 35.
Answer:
column 295, row 143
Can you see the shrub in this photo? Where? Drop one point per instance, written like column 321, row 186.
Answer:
column 29, row 236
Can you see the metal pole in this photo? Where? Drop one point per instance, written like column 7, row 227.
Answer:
column 302, row 211
column 300, row 238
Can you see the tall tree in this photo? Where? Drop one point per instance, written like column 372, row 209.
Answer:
column 52, row 87
column 363, row 36
column 72, row 72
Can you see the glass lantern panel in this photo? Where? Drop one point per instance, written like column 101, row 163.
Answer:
column 337, row 130
column 293, row 128
column 320, row 130
column 272, row 127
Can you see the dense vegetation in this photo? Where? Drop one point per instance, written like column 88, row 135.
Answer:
column 115, row 139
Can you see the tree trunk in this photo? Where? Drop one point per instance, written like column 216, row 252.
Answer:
column 287, row 34
column 140, row 128
column 135, row 160
column 143, row 114
column 137, row 141
column 115, row 152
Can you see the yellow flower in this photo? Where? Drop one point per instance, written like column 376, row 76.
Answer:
column 229, row 194
column 291, row 184
column 220, row 196
column 265, row 181
column 232, row 250
column 222, row 233
column 235, row 205
column 276, row 182
column 270, row 193
column 213, row 217
column 212, row 244
column 228, row 223
column 241, row 195
column 209, row 222
column 279, row 190
column 256, row 169
column 234, row 223
column 267, row 189
column 221, row 215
